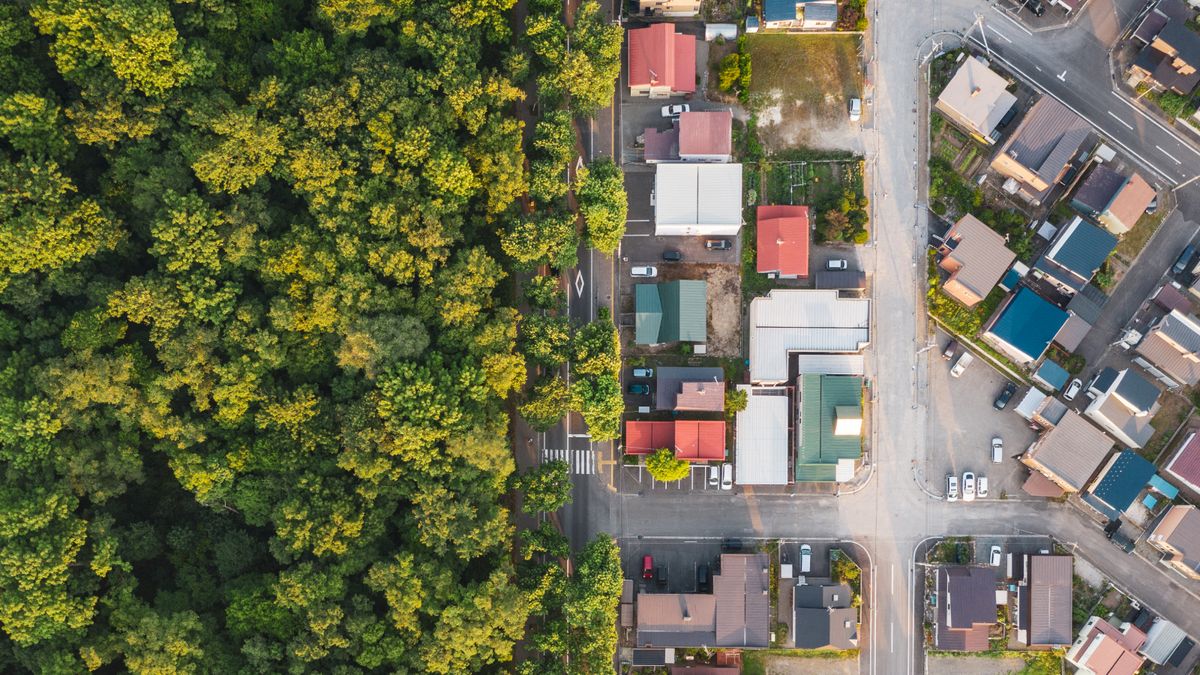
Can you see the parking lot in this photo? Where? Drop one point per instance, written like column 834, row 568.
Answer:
column 679, row 559
column 961, row 423
column 636, row 479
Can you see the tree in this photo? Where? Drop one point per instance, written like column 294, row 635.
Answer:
column 735, row 402
column 547, row 487
column 599, row 400
column 591, row 606
column 548, row 403
column 729, row 72
column 664, row 467
column 546, row 540
column 548, row 239
column 546, row 339
column 543, row 292
column 603, row 203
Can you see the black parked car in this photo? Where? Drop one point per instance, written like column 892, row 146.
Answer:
column 639, row 389
column 672, row 256
column 1005, row 396
column 1036, row 7
column 703, row 579
column 661, row 574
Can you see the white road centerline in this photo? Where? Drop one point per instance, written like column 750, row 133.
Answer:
column 1168, row 155
column 1114, row 116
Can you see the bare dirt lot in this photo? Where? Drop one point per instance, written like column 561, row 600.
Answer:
column 724, row 319
column 788, row 665
column 973, row 665
column 802, row 86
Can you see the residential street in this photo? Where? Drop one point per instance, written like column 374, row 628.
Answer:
column 892, row 515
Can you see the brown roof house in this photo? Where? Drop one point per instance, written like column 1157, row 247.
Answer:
column 1170, row 60
column 976, row 99
column 1171, row 350
column 1103, row 649
column 1113, row 199
column 975, row 256
column 966, row 607
column 1177, row 535
column 706, row 136
column 735, row 614
column 1070, row 453
column 1044, row 601
column 1038, row 152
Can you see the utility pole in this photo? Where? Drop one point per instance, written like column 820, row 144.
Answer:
column 982, row 33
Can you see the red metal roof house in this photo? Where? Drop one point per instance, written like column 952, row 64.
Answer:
column 662, row 62
column 692, row 440
column 783, row 235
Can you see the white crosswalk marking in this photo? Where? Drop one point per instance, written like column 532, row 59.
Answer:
column 580, row 461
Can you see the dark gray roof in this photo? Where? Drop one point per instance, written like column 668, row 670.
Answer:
column 1050, row 599
column 971, row 595
column 1183, row 39
column 1088, row 303
column 1105, row 379
column 668, row 379
column 1180, row 333
column 1137, row 391
column 1077, row 253
column 1155, row 19
column 649, row 657
column 822, row 595
column 817, row 628
column 1099, row 189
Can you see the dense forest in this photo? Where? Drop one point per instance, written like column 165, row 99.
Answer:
column 260, row 265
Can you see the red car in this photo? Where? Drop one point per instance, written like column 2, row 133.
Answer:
column 647, row 568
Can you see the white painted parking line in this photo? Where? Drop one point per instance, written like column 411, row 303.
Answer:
column 1002, row 36
column 1168, row 155
column 1127, row 124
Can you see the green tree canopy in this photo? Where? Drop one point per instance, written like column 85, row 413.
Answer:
column 663, row 465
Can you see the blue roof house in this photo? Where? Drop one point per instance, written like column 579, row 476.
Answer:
column 1024, row 326
column 781, row 13
column 1075, row 255
column 1119, row 483
column 1052, row 375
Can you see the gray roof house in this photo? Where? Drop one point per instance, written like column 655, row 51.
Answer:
column 1044, row 601
column 1069, row 453
column 1123, row 406
column 966, row 607
column 1075, row 255
column 1037, row 153
column 1171, row 350
column 689, row 388
column 823, row 618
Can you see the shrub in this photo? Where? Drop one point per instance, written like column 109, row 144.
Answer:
column 730, row 72
column 664, row 467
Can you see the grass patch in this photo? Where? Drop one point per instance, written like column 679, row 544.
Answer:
column 754, row 662
column 1133, row 241
column 941, row 70
column 808, row 73
column 1173, row 412
column 962, row 320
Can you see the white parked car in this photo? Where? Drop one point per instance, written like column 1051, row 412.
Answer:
column 646, row 271
column 726, row 476
column 837, row 264
column 643, row 372
column 714, row 476
column 997, row 449
column 1073, row 389
column 673, row 110
column 855, row 109
column 968, row 486
column 961, row 364
column 994, row 556
column 805, row 558
column 951, row 488
column 981, row 487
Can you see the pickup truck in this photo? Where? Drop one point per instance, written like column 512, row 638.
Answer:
column 962, row 363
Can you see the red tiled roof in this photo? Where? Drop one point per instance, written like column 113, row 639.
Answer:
column 691, row 440
column 783, row 234
column 660, row 57
column 1168, row 297
column 1186, row 463
column 706, row 133
column 1038, row 485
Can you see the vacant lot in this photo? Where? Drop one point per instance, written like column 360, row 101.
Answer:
column 802, row 86
column 834, row 663
column 973, row 665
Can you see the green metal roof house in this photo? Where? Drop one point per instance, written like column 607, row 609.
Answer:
column 829, row 429
column 674, row 311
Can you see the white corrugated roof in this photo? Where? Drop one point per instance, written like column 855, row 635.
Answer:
column 697, row 198
column 762, row 432
column 1161, row 640
column 830, row 364
column 788, row 320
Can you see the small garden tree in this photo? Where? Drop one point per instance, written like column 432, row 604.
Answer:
column 546, row 488
column 663, row 466
column 735, row 402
